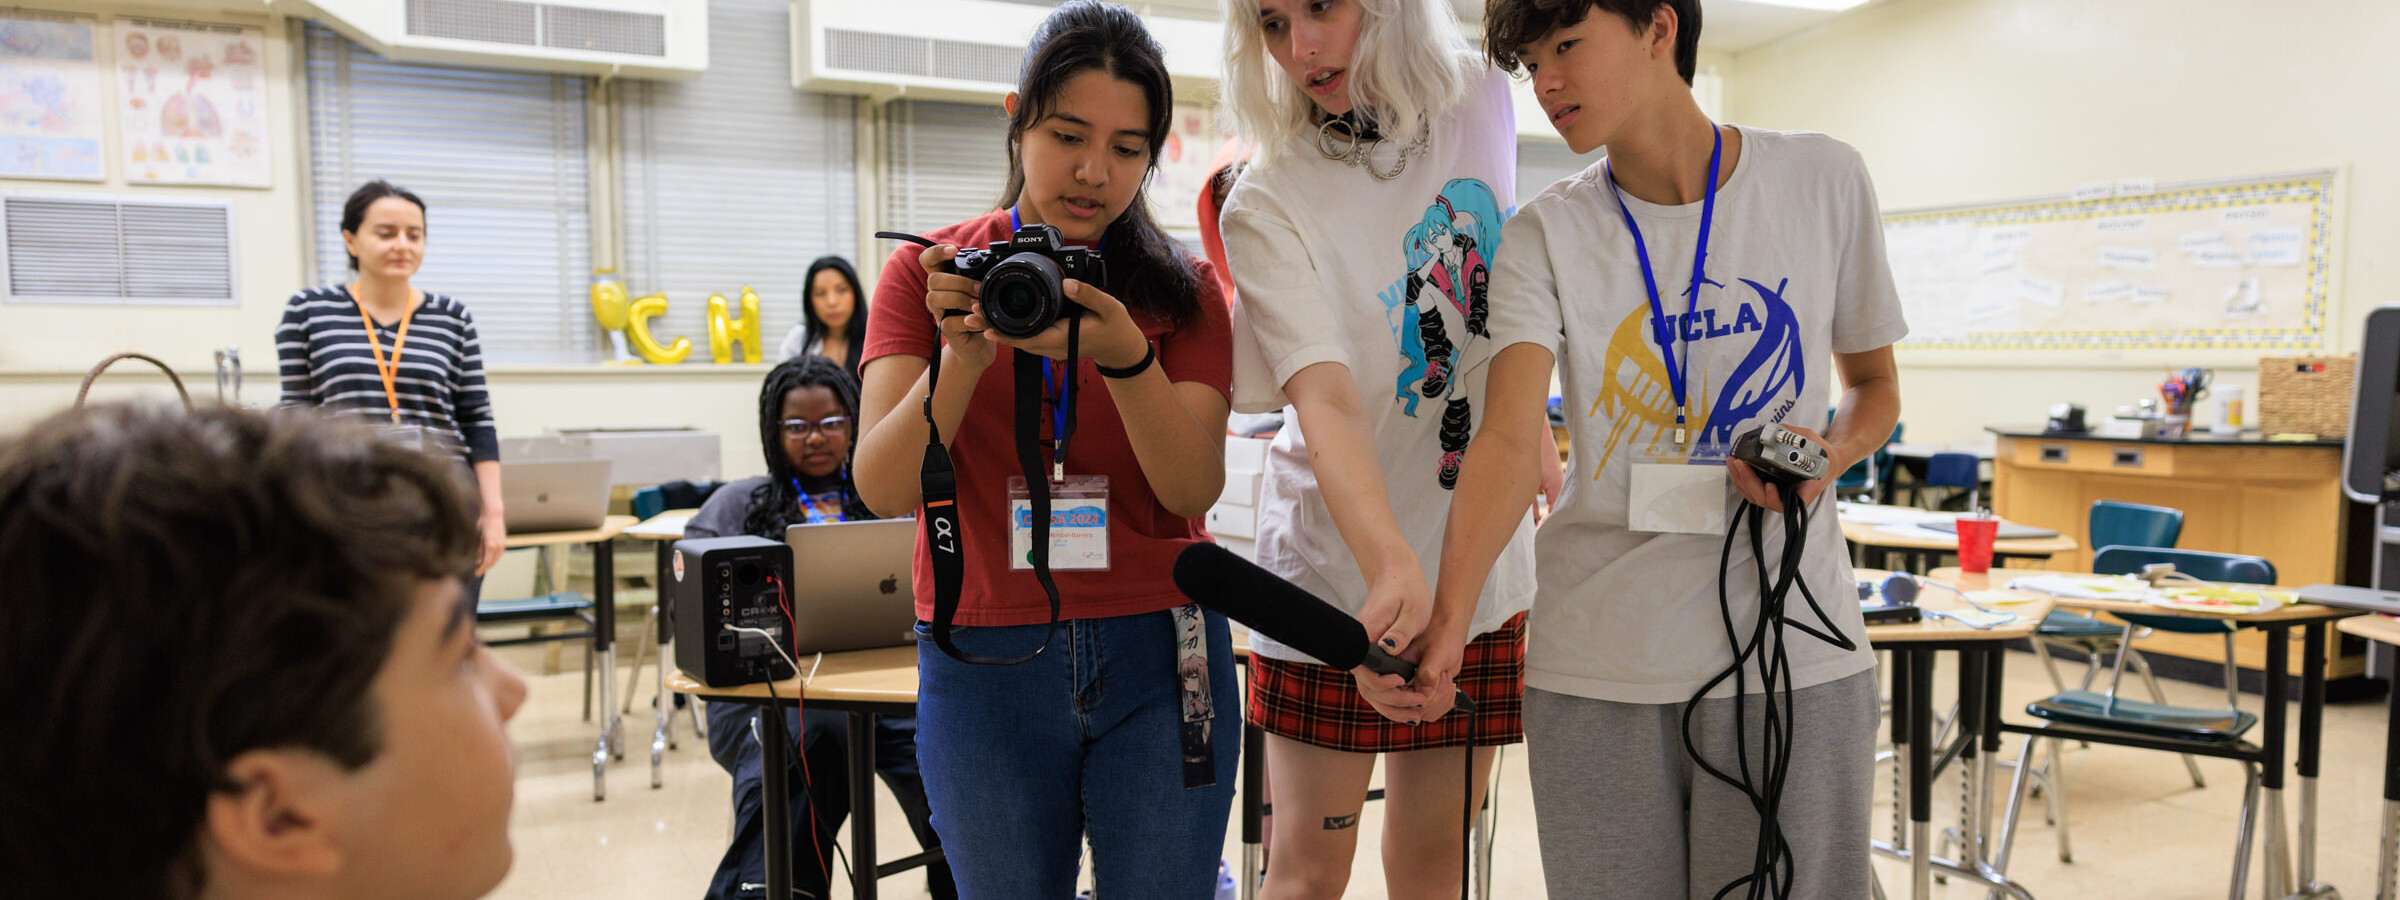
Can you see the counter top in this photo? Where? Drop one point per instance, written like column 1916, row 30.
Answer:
column 2199, row 437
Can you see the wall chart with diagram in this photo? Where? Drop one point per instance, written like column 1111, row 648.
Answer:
column 2241, row 263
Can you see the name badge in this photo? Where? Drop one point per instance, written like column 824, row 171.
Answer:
column 1078, row 524
column 1679, row 495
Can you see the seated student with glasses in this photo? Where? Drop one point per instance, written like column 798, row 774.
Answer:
column 806, row 415
column 240, row 664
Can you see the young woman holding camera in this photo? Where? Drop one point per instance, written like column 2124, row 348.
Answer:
column 1361, row 238
column 1091, row 735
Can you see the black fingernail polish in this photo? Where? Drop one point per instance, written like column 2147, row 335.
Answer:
column 1388, row 643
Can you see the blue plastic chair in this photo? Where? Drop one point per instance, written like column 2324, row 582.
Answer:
column 2094, row 715
column 1865, row 477
column 2112, row 523
column 1963, row 471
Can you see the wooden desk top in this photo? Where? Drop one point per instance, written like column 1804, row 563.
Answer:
column 2372, row 627
column 608, row 530
column 1875, row 536
column 1935, row 629
column 2290, row 612
column 881, row 675
column 666, row 526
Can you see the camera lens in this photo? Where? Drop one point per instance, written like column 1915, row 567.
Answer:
column 1023, row 295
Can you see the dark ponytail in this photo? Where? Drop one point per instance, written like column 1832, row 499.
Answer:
column 1147, row 270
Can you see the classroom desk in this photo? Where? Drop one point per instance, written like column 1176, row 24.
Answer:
column 662, row 530
column 2386, row 630
column 604, row 630
column 2271, row 756
column 1980, row 652
column 866, row 685
column 1917, row 554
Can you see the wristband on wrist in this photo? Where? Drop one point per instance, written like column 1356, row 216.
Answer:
column 1149, row 355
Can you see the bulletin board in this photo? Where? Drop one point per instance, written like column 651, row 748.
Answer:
column 2231, row 264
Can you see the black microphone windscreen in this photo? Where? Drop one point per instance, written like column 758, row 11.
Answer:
column 1214, row 577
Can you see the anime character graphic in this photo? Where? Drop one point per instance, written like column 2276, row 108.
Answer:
column 1448, row 253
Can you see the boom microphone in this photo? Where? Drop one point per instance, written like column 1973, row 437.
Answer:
column 1214, row 577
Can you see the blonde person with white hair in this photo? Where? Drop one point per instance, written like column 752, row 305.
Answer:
column 1361, row 239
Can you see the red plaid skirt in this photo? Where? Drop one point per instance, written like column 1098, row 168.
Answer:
column 1320, row 705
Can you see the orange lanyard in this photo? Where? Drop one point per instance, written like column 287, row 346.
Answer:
column 390, row 371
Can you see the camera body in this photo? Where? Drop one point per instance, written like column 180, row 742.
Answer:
column 1781, row 455
column 1024, row 279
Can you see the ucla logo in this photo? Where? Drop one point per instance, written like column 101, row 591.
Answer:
column 1075, row 517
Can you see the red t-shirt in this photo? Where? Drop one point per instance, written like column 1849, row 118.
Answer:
column 1143, row 537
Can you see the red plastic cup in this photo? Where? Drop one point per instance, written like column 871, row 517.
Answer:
column 1975, row 537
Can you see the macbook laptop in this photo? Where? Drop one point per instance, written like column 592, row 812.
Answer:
column 850, row 585
column 2009, row 531
column 543, row 495
column 2358, row 598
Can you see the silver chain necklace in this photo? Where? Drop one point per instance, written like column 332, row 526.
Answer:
column 1359, row 152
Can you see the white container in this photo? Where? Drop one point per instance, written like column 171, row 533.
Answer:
column 2232, row 415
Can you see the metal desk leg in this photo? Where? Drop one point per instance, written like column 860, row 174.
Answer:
column 2388, row 865
column 1900, row 719
column 604, row 633
column 862, row 806
column 1254, row 783
column 662, row 731
column 1920, row 773
column 1969, row 719
column 775, row 750
column 2312, row 727
column 2275, row 870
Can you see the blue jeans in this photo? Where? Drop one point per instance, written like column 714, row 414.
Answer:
column 1021, row 762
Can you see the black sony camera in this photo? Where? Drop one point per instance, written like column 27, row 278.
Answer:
column 1024, row 279
column 1781, row 455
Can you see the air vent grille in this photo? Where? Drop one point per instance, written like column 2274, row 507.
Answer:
column 892, row 54
column 552, row 25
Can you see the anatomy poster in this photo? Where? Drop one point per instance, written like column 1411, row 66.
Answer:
column 50, row 101
column 194, row 98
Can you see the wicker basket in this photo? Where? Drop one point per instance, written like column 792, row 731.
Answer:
column 2305, row 394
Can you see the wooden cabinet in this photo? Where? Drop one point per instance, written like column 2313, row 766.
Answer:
column 2283, row 502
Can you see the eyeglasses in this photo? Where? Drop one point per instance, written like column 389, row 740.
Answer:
column 830, row 426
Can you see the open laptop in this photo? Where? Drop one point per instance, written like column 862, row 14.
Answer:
column 2009, row 531
column 851, row 586
column 543, row 495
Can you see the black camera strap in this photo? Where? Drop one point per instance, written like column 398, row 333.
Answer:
column 938, row 484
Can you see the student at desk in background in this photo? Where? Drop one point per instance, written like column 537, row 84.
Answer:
column 807, row 411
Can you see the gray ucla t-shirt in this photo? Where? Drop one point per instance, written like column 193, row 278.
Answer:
column 1795, row 273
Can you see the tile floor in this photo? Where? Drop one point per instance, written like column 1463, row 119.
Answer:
column 2140, row 829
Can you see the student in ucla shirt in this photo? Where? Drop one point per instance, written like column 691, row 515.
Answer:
column 1702, row 281
column 807, row 414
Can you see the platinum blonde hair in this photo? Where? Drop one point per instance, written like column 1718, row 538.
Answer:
column 1411, row 66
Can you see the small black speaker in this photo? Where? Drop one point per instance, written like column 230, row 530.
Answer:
column 741, row 581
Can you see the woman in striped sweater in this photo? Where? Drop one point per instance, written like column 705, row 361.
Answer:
column 379, row 348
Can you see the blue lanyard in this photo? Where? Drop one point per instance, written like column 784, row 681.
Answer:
column 808, row 508
column 1670, row 334
column 1056, row 383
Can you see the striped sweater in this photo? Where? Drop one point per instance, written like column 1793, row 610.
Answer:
column 326, row 362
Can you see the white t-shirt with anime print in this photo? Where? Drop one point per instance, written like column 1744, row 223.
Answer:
column 1388, row 278
column 1795, row 273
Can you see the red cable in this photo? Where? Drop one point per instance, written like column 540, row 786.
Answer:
column 807, row 785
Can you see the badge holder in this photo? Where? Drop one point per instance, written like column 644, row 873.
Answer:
column 1078, row 524
column 1679, row 490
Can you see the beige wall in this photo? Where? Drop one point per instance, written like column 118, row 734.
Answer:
column 1962, row 101
column 45, row 349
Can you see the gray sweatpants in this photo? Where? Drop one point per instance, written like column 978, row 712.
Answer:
column 1624, row 813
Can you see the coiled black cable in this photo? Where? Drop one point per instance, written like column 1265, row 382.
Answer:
column 1771, row 866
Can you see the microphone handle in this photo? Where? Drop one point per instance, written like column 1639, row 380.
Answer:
column 1387, row 664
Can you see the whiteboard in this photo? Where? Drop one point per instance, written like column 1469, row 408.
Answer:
column 2240, row 263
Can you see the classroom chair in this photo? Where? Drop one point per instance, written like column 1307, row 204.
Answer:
column 2096, row 717
column 647, row 504
column 1867, row 478
column 545, row 605
column 1963, row 471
